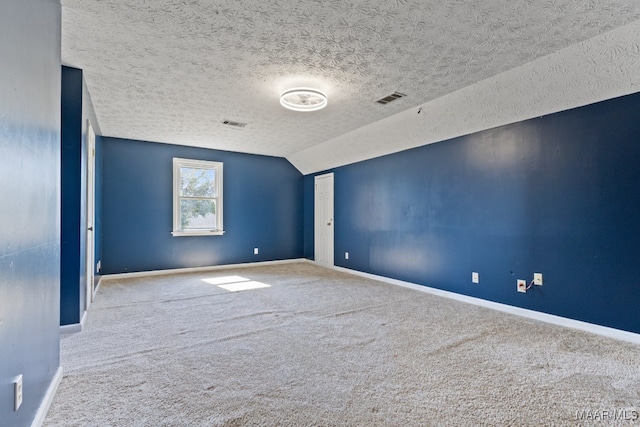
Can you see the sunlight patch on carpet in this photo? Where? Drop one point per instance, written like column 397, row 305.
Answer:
column 235, row 283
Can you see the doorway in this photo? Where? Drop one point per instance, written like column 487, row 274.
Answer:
column 323, row 219
column 90, row 243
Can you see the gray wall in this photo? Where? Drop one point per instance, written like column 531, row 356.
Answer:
column 30, row 207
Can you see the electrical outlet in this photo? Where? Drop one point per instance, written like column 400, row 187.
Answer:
column 98, row 266
column 475, row 277
column 255, row 251
column 346, row 255
column 522, row 285
column 17, row 392
column 537, row 279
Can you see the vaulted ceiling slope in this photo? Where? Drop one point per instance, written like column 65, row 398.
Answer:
column 172, row 72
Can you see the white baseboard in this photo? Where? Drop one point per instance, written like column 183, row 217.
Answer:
column 41, row 414
column 523, row 312
column 95, row 291
column 74, row 328
column 107, row 277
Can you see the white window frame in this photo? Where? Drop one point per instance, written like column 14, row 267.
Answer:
column 200, row 164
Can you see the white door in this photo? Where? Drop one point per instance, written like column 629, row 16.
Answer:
column 324, row 219
column 91, row 163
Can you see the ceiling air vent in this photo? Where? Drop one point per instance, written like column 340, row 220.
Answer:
column 238, row 125
column 392, row 97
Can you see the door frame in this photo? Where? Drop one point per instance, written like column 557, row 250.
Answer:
column 91, row 212
column 320, row 224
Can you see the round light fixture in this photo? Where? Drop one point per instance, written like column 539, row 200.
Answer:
column 303, row 99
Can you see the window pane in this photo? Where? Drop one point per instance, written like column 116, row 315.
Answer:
column 198, row 214
column 196, row 182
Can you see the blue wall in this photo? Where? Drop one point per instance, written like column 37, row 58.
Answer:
column 308, row 211
column 76, row 109
column 73, row 204
column 557, row 195
column 30, row 209
column 262, row 208
column 98, row 204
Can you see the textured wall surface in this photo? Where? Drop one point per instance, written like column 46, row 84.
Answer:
column 30, row 209
column 262, row 208
column 556, row 195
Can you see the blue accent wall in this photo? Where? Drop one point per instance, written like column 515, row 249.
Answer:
column 74, row 187
column 76, row 110
column 557, row 194
column 30, row 208
column 308, row 208
column 98, row 203
column 262, row 208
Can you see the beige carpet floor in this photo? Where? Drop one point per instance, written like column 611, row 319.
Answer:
column 308, row 346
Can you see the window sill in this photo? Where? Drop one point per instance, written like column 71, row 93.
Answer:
column 197, row 233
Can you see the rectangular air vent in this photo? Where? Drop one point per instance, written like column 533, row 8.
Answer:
column 239, row 125
column 392, row 97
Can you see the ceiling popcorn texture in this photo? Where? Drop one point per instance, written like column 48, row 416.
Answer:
column 172, row 72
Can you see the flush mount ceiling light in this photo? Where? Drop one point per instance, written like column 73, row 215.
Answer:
column 303, row 99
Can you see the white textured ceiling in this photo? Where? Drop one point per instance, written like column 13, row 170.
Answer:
column 172, row 71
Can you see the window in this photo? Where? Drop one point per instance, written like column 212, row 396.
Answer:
column 197, row 198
